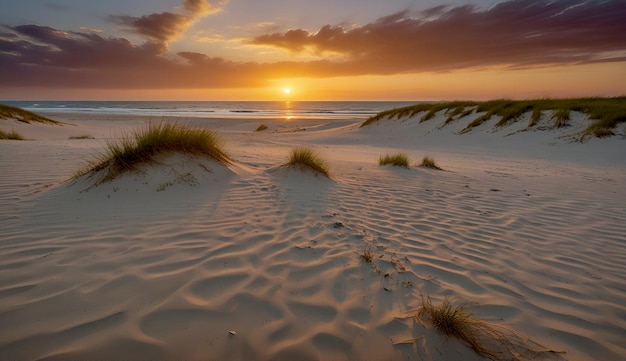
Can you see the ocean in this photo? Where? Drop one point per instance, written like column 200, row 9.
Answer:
column 293, row 110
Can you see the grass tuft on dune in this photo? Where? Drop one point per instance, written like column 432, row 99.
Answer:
column 493, row 342
column 13, row 135
column 605, row 113
column 308, row 159
column 429, row 162
column 398, row 160
column 9, row 112
column 144, row 145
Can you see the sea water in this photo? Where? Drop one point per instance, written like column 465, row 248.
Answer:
column 219, row 109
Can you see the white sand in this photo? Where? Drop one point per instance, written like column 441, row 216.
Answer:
column 528, row 229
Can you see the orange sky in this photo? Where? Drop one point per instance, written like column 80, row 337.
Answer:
column 215, row 50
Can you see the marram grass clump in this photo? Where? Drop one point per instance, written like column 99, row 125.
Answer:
column 144, row 145
column 261, row 128
column 306, row 158
column 398, row 160
column 12, row 135
column 429, row 162
column 488, row 340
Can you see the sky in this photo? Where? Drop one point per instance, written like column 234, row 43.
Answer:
column 319, row 50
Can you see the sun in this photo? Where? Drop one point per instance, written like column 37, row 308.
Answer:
column 287, row 91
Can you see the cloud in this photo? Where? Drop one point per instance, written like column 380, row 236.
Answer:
column 515, row 33
column 200, row 8
column 40, row 56
column 92, row 30
column 166, row 26
column 161, row 27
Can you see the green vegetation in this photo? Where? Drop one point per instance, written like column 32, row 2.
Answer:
column 261, row 128
column 81, row 137
column 143, row 146
column 429, row 162
column 9, row 112
column 307, row 159
column 398, row 160
column 11, row 135
column 605, row 113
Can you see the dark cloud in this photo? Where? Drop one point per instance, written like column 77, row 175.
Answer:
column 159, row 27
column 166, row 26
column 516, row 33
column 80, row 59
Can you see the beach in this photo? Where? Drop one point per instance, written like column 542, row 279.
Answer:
column 188, row 259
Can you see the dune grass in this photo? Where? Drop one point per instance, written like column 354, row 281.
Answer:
column 454, row 321
column 9, row 112
column 306, row 158
column 397, row 160
column 561, row 118
column 73, row 137
column 604, row 113
column 144, row 145
column 13, row 135
column 261, row 127
column 368, row 254
column 535, row 117
column 429, row 162
column 496, row 343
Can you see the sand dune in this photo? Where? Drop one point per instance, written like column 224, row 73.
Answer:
column 193, row 260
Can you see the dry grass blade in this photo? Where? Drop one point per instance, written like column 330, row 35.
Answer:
column 561, row 118
column 368, row 254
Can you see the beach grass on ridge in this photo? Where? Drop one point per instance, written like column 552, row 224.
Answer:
column 158, row 138
column 606, row 113
column 8, row 112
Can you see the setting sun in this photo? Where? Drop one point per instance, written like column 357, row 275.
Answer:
column 287, row 91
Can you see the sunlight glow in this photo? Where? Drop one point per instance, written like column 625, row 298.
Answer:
column 287, row 91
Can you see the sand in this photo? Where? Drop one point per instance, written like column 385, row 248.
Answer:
column 191, row 260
